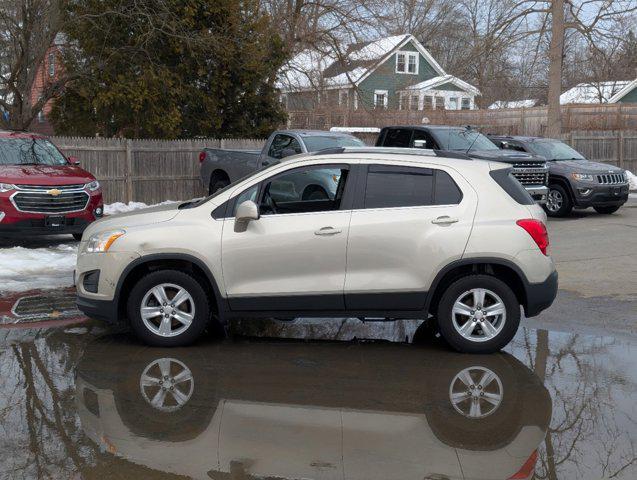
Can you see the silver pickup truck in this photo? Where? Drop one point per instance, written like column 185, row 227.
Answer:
column 220, row 167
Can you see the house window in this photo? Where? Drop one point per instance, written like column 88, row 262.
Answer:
column 414, row 103
column 51, row 65
column 440, row 103
column 453, row 103
column 466, row 104
column 428, row 103
column 407, row 62
column 380, row 98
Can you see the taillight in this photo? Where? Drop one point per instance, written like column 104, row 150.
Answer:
column 202, row 157
column 538, row 232
column 527, row 470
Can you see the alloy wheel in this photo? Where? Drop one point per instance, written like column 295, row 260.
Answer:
column 167, row 384
column 554, row 201
column 476, row 392
column 478, row 315
column 167, row 310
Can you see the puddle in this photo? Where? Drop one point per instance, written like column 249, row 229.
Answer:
column 304, row 400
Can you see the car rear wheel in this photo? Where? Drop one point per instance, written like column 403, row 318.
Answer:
column 558, row 203
column 607, row 210
column 168, row 308
column 217, row 183
column 478, row 314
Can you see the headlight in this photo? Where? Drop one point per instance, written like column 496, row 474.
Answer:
column 101, row 242
column 6, row 187
column 92, row 186
column 583, row 176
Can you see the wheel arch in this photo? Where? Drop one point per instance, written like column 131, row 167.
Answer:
column 154, row 262
column 499, row 268
column 565, row 184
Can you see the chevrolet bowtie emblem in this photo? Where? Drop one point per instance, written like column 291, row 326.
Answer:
column 55, row 192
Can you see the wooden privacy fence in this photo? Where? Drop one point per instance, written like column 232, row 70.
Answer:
column 148, row 171
column 617, row 148
column 513, row 121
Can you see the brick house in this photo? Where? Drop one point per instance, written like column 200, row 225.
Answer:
column 394, row 72
column 48, row 72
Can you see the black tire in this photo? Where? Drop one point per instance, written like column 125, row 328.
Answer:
column 217, row 183
column 562, row 209
column 77, row 236
column 183, row 280
column 607, row 210
column 445, row 317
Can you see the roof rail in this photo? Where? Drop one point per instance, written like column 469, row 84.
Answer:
column 423, row 152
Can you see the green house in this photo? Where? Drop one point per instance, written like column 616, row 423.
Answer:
column 628, row 94
column 394, row 72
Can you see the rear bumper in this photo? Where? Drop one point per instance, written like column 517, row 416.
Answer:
column 540, row 296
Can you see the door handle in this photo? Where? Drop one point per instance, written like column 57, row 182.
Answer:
column 444, row 220
column 326, row 231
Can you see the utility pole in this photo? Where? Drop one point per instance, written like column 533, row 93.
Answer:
column 556, row 52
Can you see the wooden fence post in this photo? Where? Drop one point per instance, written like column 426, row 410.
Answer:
column 620, row 149
column 129, row 170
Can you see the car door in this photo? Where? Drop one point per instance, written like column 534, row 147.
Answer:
column 293, row 257
column 408, row 222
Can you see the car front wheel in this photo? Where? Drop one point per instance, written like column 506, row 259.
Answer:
column 478, row 314
column 558, row 202
column 168, row 308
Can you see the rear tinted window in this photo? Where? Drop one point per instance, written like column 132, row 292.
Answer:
column 390, row 187
column 315, row 144
column 446, row 192
column 504, row 177
column 397, row 137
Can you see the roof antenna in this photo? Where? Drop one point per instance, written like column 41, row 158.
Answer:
column 468, row 129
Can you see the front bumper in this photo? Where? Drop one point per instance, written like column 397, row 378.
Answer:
column 607, row 195
column 16, row 223
column 99, row 309
column 539, row 193
column 540, row 296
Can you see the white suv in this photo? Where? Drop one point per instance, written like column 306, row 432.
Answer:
column 402, row 234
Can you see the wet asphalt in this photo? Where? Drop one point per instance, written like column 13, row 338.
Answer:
column 335, row 398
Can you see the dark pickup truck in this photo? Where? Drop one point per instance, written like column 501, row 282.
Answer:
column 220, row 167
column 530, row 170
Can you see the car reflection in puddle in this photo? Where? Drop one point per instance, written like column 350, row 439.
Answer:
column 274, row 409
column 22, row 314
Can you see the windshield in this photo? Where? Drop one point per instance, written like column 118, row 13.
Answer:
column 463, row 140
column 29, row 151
column 314, row 144
column 555, row 150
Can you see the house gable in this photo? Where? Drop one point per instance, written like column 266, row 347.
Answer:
column 384, row 76
column 628, row 94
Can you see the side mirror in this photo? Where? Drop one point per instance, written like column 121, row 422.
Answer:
column 246, row 212
column 73, row 160
column 287, row 152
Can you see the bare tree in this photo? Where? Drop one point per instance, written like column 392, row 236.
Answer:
column 28, row 29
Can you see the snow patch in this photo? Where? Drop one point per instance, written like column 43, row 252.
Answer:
column 120, row 207
column 632, row 180
column 37, row 268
